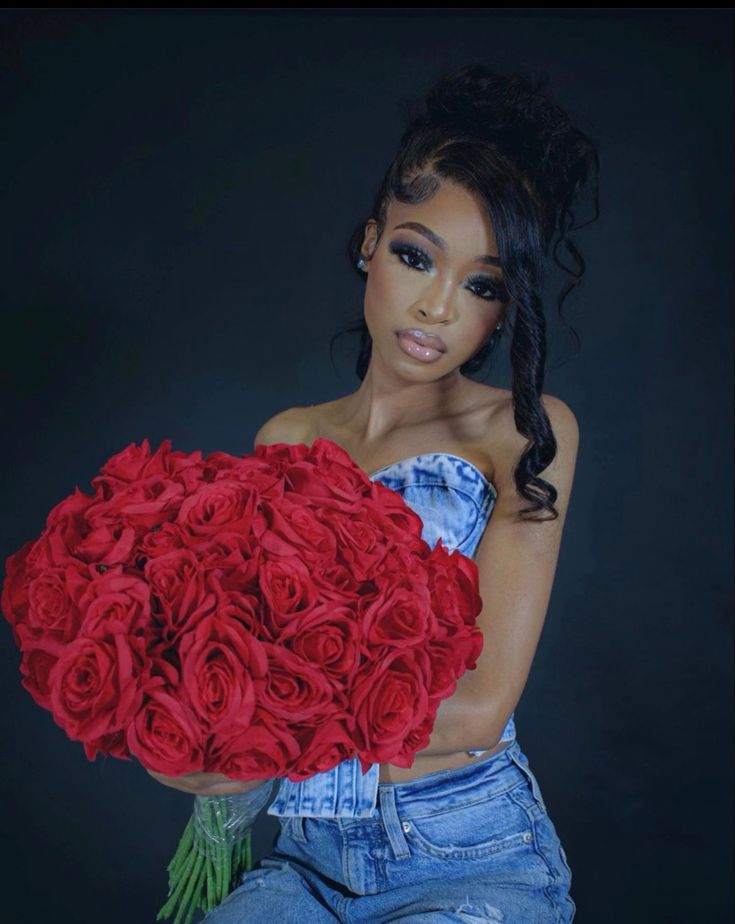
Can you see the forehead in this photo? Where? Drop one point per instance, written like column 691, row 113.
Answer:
column 454, row 213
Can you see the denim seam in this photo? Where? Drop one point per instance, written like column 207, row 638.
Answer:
column 483, row 518
column 449, row 487
column 406, row 811
column 488, row 849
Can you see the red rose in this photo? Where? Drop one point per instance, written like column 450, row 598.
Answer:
column 295, row 689
column 137, row 464
column 280, row 456
column 113, row 745
column 140, row 506
column 225, row 505
column 446, row 663
column 159, row 541
column 328, row 746
column 14, row 599
column 98, row 684
column 454, row 589
column 328, row 636
column 113, row 602
column 235, row 601
column 323, row 471
column 236, row 555
column 403, row 562
column 50, row 609
column 265, row 750
column 39, row 657
column 181, row 594
column 397, row 519
column 389, row 699
column 166, row 736
column 66, row 529
column 360, row 539
column 418, row 738
column 222, row 671
column 290, row 528
column 336, row 583
column 82, row 527
column 287, row 591
column 401, row 616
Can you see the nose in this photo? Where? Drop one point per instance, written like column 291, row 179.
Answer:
column 436, row 304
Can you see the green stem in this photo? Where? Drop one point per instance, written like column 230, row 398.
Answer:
column 175, row 871
column 197, row 900
column 192, row 879
column 210, row 885
column 183, row 877
column 248, row 853
column 184, row 843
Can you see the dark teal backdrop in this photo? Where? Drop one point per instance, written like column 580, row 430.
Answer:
column 176, row 193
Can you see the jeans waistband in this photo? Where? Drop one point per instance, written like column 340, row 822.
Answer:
column 497, row 773
column 400, row 801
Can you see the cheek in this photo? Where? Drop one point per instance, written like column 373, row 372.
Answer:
column 387, row 287
column 477, row 331
column 384, row 301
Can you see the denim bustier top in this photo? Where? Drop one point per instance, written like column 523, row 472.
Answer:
column 455, row 501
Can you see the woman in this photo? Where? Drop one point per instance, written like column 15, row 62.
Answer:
column 486, row 175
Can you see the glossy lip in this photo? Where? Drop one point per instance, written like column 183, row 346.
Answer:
column 429, row 340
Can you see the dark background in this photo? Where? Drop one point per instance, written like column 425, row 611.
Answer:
column 177, row 191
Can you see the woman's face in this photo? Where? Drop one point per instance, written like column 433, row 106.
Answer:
column 445, row 281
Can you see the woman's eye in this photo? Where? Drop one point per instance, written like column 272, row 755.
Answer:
column 413, row 256
column 412, row 253
column 493, row 292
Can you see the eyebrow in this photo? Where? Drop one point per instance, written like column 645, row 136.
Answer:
column 442, row 244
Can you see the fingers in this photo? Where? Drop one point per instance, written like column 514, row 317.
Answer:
column 204, row 784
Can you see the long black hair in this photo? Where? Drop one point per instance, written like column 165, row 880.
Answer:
column 502, row 138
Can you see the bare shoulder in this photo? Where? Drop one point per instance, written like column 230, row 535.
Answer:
column 509, row 444
column 289, row 426
column 564, row 424
column 302, row 424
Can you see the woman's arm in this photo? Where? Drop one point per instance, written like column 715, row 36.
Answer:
column 517, row 564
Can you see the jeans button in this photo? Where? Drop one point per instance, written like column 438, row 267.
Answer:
column 406, row 826
column 528, row 837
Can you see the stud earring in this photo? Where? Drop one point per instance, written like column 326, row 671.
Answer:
column 361, row 264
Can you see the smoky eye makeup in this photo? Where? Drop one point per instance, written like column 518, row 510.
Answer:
column 410, row 255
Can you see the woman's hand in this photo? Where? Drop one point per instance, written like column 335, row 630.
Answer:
column 206, row 784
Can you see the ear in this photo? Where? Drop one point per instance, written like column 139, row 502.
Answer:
column 369, row 240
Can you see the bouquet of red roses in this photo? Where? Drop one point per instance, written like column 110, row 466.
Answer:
column 264, row 616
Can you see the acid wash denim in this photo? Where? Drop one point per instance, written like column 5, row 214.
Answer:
column 471, row 845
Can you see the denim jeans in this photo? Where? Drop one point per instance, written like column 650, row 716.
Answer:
column 471, row 845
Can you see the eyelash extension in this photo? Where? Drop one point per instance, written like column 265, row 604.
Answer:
column 496, row 291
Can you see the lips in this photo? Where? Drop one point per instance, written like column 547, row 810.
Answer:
column 424, row 339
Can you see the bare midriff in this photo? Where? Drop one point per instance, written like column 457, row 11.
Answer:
column 433, row 764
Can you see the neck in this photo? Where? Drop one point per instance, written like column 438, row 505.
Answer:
column 385, row 403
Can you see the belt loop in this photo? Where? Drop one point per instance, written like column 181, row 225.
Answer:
column 391, row 821
column 521, row 761
column 297, row 828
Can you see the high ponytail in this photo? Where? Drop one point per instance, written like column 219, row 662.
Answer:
column 502, row 138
